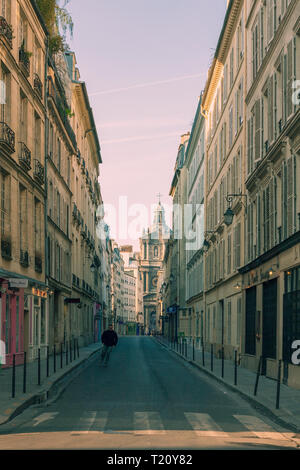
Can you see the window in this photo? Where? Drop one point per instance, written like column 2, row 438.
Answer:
column 5, row 201
column 5, row 102
column 38, row 226
column 37, row 137
column 23, row 218
column 23, row 117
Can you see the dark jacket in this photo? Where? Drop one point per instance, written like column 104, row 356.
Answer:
column 109, row 338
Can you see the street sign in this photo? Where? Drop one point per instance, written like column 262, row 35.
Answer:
column 18, row 283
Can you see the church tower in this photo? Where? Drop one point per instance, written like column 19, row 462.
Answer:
column 152, row 252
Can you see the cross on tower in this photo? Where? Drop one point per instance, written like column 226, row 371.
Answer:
column 159, row 196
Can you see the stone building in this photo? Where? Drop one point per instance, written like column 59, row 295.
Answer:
column 223, row 106
column 270, row 271
column 86, row 198
column 23, row 308
column 152, row 251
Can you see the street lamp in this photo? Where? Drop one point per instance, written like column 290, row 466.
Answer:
column 229, row 214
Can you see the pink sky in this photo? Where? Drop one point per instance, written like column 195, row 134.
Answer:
column 145, row 64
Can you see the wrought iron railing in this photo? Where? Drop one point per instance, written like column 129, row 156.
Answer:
column 24, row 258
column 38, row 86
column 6, row 31
column 7, row 137
column 24, row 61
column 39, row 171
column 24, row 156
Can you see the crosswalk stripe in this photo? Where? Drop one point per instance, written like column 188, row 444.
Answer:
column 259, row 427
column 86, row 422
column 204, row 426
column 148, row 422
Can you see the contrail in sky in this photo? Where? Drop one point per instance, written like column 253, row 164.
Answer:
column 143, row 85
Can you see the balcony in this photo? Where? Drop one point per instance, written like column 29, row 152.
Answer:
column 38, row 263
column 39, row 172
column 6, row 248
column 7, row 138
column 38, row 86
column 24, row 259
column 6, row 31
column 24, row 61
column 24, row 156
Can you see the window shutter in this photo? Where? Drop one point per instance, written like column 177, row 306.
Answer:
column 258, row 224
column 270, row 110
column 290, row 78
column 291, row 196
column 257, row 112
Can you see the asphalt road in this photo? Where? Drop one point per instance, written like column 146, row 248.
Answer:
column 147, row 398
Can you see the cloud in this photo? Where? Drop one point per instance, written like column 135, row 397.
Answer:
column 144, row 85
column 142, row 138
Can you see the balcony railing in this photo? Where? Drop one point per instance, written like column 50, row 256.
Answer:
column 6, row 31
column 38, row 86
column 61, row 108
column 24, row 61
column 24, row 156
column 6, row 249
column 24, row 259
column 7, row 137
column 38, row 263
column 39, row 171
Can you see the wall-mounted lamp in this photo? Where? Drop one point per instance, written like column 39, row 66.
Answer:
column 229, row 214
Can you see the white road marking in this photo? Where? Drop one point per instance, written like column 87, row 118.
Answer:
column 44, row 417
column 148, row 422
column 204, row 426
column 259, row 427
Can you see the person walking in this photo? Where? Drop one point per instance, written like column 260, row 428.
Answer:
column 109, row 340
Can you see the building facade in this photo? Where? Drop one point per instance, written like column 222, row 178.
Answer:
column 270, row 273
column 23, row 51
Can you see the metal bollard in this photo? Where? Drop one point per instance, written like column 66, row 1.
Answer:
column 235, row 367
column 193, row 350
column 78, row 347
column 47, row 361
column 54, row 358
column 258, row 374
column 61, row 355
column 39, row 366
column 211, row 357
column 70, row 342
column 24, row 373
column 203, row 359
column 222, row 361
column 13, row 392
column 278, row 384
column 67, row 354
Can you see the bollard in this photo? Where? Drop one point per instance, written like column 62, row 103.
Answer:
column 54, row 358
column 14, row 377
column 78, row 347
column 278, row 385
column 193, row 350
column 258, row 374
column 47, row 361
column 74, row 348
column 235, row 367
column 222, row 361
column 39, row 366
column 211, row 357
column 61, row 355
column 203, row 359
column 24, row 373
column 70, row 351
column 67, row 354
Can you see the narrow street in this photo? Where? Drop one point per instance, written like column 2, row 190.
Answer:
column 147, row 398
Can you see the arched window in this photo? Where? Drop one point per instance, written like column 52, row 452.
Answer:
column 155, row 252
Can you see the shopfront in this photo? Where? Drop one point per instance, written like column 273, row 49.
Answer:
column 12, row 322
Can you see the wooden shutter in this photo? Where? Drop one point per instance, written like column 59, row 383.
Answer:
column 290, row 77
column 257, row 137
column 291, row 190
column 270, row 110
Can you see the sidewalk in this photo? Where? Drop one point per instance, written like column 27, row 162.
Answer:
column 60, row 373
column 288, row 413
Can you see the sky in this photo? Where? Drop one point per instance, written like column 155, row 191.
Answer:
column 145, row 64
